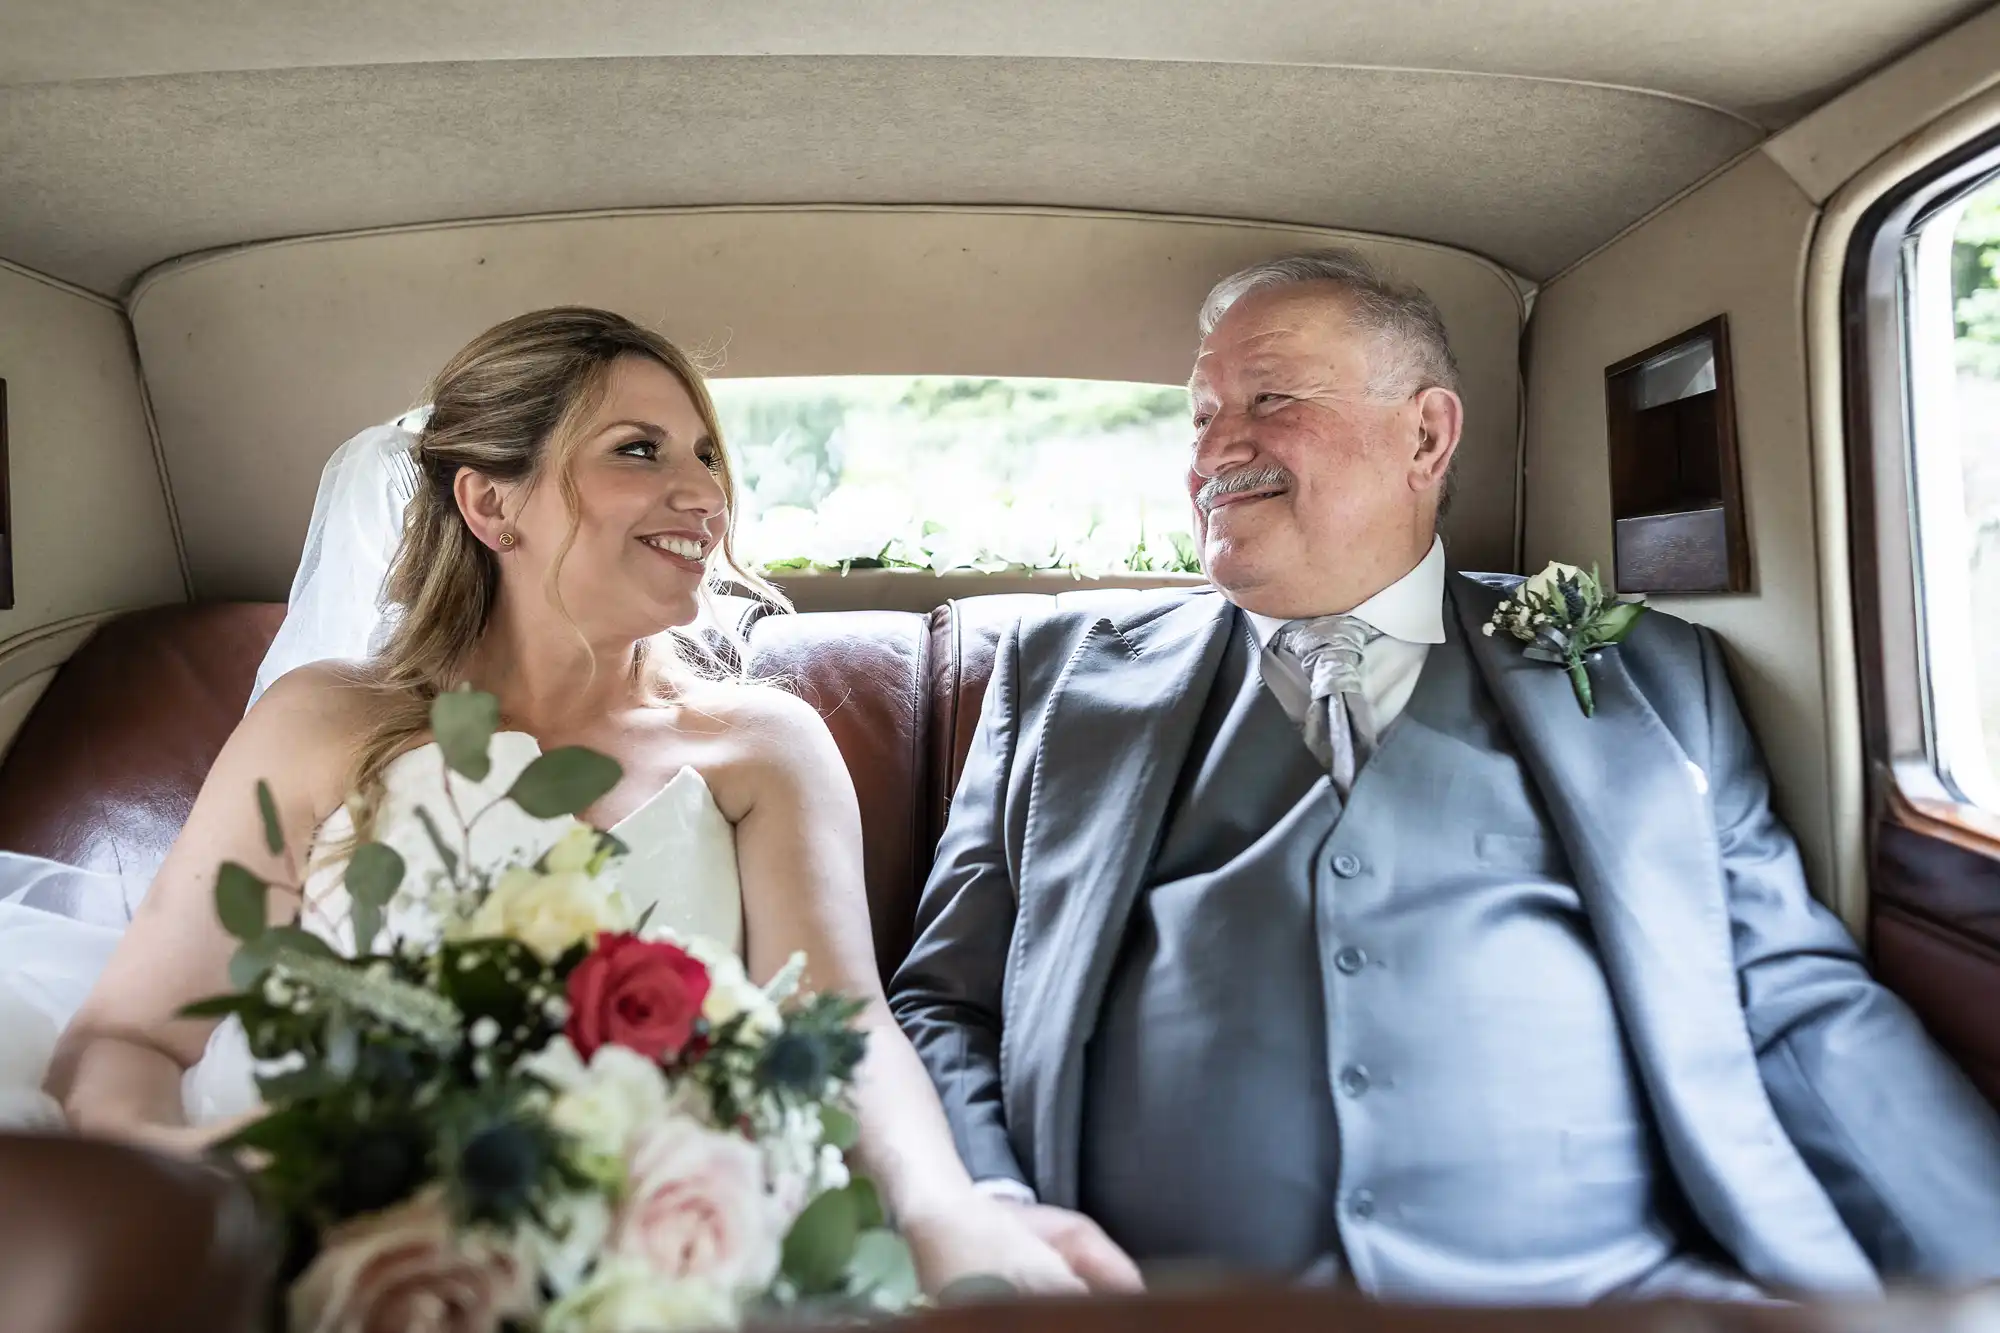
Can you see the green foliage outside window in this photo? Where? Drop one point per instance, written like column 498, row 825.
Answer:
column 946, row 473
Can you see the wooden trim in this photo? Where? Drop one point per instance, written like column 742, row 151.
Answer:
column 1966, row 827
column 1621, row 421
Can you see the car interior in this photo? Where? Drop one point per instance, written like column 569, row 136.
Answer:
column 1721, row 280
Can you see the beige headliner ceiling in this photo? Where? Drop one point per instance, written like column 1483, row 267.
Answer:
column 113, row 177
column 1764, row 59
column 136, row 131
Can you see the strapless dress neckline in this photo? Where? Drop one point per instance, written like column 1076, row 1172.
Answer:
column 680, row 863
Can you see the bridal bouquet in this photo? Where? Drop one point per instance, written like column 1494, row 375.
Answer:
column 531, row 1112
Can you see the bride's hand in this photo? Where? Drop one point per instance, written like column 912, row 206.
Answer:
column 976, row 1235
column 973, row 1235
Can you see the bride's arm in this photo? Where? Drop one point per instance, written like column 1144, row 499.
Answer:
column 117, row 1070
column 798, row 847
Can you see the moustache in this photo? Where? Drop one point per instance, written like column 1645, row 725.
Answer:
column 1269, row 477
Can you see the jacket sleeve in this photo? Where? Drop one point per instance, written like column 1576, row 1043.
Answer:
column 1901, row 1141
column 948, row 993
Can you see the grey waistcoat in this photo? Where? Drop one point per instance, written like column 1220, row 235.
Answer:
column 1377, row 1040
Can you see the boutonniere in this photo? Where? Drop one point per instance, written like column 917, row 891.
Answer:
column 1565, row 618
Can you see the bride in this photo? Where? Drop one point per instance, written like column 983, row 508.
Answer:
column 572, row 499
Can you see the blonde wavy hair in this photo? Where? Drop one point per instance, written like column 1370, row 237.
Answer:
column 512, row 406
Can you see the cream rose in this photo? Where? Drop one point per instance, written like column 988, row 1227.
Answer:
column 403, row 1270
column 619, row 1092
column 697, row 1208
column 549, row 911
column 731, row 992
column 1544, row 583
column 628, row 1297
column 575, row 850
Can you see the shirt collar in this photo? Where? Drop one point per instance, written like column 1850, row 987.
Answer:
column 1410, row 609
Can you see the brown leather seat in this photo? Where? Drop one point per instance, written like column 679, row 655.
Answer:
column 96, row 1237
column 105, row 770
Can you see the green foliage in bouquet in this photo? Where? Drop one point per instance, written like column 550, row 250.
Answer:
column 534, row 1088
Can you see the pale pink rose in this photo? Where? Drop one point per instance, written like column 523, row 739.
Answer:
column 403, row 1270
column 696, row 1206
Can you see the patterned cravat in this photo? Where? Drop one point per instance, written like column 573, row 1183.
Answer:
column 1340, row 728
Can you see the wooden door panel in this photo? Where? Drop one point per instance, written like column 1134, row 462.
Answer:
column 1952, row 985
column 1934, row 932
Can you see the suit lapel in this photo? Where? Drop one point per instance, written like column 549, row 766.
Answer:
column 1118, row 728
column 1630, row 809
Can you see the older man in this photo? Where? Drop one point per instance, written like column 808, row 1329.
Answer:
column 1303, row 929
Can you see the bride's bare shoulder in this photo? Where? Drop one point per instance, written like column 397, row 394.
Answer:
column 313, row 714
column 764, row 715
column 764, row 729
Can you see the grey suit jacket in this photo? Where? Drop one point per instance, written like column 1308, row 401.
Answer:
column 1819, row 1135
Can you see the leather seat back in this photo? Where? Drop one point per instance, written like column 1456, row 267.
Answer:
column 106, row 768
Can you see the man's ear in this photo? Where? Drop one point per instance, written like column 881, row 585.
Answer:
column 1440, row 418
column 483, row 503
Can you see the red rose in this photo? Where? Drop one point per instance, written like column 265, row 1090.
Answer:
column 641, row 994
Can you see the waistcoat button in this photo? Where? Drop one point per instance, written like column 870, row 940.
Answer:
column 1350, row 960
column 1346, row 865
column 1354, row 1080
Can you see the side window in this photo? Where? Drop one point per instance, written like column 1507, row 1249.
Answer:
column 1921, row 326
column 1953, row 309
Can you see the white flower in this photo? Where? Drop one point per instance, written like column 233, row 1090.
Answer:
column 730, row 990
column 697, row 1207
column 792, row 1155
column 549, row 911
column 575, row 1236
column 1544, row 583
column 557, row 1064
column 627, row 1297
column 619, row 1093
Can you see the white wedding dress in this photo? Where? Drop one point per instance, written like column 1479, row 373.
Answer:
column 59, row 924
column 680, row 862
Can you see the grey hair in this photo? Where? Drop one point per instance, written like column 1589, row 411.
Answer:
column 1412, row 350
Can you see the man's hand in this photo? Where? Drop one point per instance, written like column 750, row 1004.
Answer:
column 1090, row 1254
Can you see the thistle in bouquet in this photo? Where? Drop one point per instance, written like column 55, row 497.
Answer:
column 507, row 1102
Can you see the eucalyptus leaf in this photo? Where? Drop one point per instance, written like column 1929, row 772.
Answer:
column 977, row 1288
column 215, row 1006
column 240, row 902
column 821, row 1243
column 249, row 964
column 290, row 939
column 838, row 1126
column 374, row 873
column 366, row 918
column 563, row 782
column 463, row 722
column 267, row 807
column 868, row 1210
column 882, row 1269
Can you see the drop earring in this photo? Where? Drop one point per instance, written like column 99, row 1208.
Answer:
column 506, row 541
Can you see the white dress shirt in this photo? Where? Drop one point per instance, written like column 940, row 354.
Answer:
column 1410, row 615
